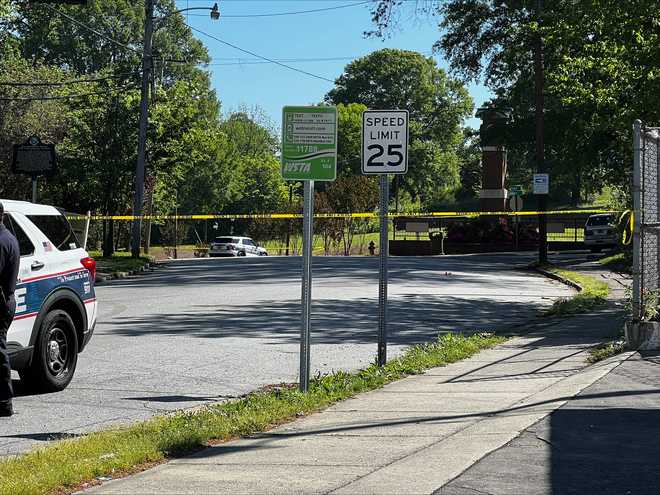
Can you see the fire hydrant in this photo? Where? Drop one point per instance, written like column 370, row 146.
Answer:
column 372, row 248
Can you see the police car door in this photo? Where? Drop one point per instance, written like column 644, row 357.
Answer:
column 20, row 330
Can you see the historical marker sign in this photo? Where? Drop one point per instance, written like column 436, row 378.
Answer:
column 385, row 142
column 34, row 158
column 309, row 143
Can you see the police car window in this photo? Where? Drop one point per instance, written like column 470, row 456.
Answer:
column 248, row 242
column 57, row 229
column 224, row 240
column 24, row 244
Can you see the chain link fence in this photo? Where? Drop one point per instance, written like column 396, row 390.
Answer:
column 646, row 248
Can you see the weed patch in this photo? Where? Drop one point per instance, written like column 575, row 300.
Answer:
column 593, row 293
column 621, row 262
column 606, row 350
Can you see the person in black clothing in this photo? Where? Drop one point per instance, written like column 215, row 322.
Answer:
column 9, row 263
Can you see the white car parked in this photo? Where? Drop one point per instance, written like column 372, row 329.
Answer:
column 56, row 306
column 600, row 232
column 235, row 246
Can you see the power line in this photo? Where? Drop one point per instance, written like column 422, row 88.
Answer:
column 272, row 61
column 64, row 97
column 66, row 83
column 278, row 14
column 91, row 29
column 238, row 61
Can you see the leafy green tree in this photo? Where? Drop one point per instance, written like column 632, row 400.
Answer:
column 350, row 194
column 602, row 61
column 437, row 104
column 349, row 138
column 20, row 119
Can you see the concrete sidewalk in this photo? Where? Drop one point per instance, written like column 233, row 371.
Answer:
column 412, row 436
column 603, row 441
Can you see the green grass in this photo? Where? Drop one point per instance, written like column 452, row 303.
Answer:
column 120, row 262
column 621, row 262
column 593, row 293
column 64, row 465
column 606, row 350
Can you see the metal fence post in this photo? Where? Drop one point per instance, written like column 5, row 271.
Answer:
column 637, row 234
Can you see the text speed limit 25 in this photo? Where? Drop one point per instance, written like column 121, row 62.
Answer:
column 385, row 142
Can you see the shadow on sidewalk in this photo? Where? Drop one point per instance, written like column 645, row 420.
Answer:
column 605, row 451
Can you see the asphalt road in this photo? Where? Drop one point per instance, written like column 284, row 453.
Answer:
column 200, row 331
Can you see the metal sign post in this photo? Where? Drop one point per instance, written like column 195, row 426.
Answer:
column 384, row 151
column 382, row 286
column 308, row 231
column 516, row 204
column 309, row 153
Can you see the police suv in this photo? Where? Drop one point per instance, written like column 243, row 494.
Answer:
column 56, row 305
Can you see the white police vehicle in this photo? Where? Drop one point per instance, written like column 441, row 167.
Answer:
column 235, row 246
column 56, row 306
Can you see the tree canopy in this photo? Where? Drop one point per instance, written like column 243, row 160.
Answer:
column 602, row 64
column 437, row 105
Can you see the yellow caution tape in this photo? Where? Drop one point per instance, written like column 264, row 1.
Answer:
column 291, row 216
column 628, row 230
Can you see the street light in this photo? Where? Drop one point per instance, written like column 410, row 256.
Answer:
column 147, row 63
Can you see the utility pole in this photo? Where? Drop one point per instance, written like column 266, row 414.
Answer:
column 142, row 137
column 540, row 153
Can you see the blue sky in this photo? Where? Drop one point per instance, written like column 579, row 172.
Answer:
column 335, row 34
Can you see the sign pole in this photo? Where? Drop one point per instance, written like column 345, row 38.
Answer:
column 308, row 232
column 34, row 188
column 382, row 288
column 309, row 153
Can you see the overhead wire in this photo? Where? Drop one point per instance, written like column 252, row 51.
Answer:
column 279, row 14
column 272, row 61
column 91, row 29
column 66, row 83
column 66, row 97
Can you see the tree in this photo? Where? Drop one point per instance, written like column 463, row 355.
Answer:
column 347, row 195
column 602, row 61
column 437, row 104
column 349, row 138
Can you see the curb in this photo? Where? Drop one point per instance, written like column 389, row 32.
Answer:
column 101, row 279
column 558, row 278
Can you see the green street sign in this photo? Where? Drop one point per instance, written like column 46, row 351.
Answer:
column 516, row 190
column 309, row 143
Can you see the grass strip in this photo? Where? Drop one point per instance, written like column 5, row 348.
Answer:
column 120, row 262
column 66, row 464
column 594, row 293
column 606, row 350
column 621, row 262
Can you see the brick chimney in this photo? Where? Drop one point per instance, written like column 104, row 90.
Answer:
column 493, row 195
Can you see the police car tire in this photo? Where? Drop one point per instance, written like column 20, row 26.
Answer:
column 241, row 253
column 39, row 376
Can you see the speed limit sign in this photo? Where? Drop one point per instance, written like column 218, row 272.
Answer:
column 385, row 142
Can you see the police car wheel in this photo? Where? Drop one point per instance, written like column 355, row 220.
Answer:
column 241, row 253
column 56, row 354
